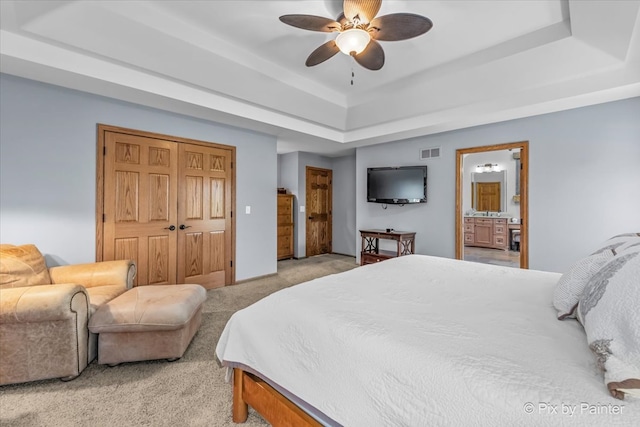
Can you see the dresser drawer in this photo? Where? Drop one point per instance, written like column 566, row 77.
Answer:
column 500, row 241
column 484, row 221
column 285, row 247
column 468, row 228
column 500, row 229
column 469, row 238
column 469, row 220
column 284, row 208
column 501, row 221
column 368, row 258
column 285, row 230
column 284, row 241
column 372, row 235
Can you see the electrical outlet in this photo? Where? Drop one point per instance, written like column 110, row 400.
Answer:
column 247, row 210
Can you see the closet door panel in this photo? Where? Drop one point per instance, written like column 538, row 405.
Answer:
column 204, row 238
column 140, row 205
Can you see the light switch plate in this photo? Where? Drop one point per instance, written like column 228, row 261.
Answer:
column 302, row 209
column 247, row 210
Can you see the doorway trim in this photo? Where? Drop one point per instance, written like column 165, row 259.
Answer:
column 524, row 195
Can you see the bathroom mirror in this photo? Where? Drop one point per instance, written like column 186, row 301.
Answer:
column 489, row 191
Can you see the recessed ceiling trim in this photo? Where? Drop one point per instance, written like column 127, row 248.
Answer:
column 156, row 17
column 541, row 37
column 33, row 51
column 526, row 60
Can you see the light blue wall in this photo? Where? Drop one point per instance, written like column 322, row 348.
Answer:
column 584, row 173
column 584, row 181
column 344, row 205
column 48, row 171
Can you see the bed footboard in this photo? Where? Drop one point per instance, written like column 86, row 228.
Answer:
column 240, row 407
column 279, row 411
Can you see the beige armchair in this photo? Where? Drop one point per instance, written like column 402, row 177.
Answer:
column 44, row 313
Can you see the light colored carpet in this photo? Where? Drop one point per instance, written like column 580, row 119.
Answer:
column 188, row 392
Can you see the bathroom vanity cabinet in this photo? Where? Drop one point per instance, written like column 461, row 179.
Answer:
column 486, row 232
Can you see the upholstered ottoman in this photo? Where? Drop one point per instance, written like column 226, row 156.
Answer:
column 148, row 322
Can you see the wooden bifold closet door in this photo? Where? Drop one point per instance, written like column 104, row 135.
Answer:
column 166, row 203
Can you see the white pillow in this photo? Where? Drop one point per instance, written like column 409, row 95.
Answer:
column 609, row 310
column 570, row 286
column 628, row 246
column 619, row 243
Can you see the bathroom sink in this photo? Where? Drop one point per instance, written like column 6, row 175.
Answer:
column 489, row 214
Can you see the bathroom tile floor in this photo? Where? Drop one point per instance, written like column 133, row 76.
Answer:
column 492, row 256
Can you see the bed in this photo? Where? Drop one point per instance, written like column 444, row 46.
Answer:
column 416, row 341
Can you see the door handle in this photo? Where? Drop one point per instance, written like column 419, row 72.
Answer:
column 184, row 227
column 170, row 228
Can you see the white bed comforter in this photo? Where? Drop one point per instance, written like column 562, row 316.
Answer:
column 426, row 341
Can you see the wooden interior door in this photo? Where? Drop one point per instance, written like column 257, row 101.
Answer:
column 204, row 232
column 166, row 203
column 319, row 219
column 488, row 194
column 140, row 209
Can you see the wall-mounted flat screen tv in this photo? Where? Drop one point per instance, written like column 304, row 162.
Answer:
column 397, row 185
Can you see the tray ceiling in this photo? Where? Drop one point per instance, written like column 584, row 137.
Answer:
column 234, row 62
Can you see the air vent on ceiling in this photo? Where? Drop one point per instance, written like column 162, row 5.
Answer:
column 429, row 153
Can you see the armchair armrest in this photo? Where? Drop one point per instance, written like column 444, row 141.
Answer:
column 43, row 303
column 120, row 272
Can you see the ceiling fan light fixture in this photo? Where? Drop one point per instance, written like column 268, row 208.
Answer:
column 360, row 31
column 353, row 40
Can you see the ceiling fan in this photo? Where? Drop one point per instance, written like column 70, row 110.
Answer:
column 360, row 31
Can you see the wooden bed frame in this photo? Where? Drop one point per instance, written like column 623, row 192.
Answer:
column 248, row 389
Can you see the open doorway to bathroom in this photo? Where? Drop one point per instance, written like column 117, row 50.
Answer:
column 492, row 204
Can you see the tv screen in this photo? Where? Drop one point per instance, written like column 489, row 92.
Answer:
column 397, row 185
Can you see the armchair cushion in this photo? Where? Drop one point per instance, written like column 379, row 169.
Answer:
column 99, row 295
column 90, row 275
column 41, row 303
column 43, row 332
column 22, row 266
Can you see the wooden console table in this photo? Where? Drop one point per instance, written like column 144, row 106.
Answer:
column 371, row 252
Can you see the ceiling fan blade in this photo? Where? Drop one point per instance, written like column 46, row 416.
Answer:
column 342, row 19
column 372, row 57
column 365, row 10
column 399, row 26
column 322, row 53
column 311, row 22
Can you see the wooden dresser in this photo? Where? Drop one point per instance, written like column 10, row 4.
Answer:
column 285, row 226
column 486, row 232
